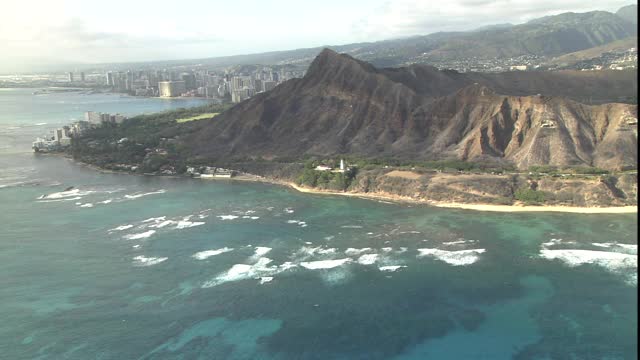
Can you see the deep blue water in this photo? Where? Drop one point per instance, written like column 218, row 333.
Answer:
column 137, row 267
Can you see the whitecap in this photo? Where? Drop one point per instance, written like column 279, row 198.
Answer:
column 289, row 210
column 351, row 227
column 106, row 201
column 188, row 224
column 368, row 259
column 87, row 205
column 148, row 261
column 227, row 217
column 391, row 268
column 261, row 250
column 162, row 224
column 266, row 279
column 143, row 235
column 387, row 249
column 135, row 196
column 155, row 219
column 456, row 258
column 243, row 271
column 202, row 255
column 575, row 257
column 629, row 248
column 458, row 242
column 354, row 251
column 122, row 227
column 65, row 194
column 64, row 199
column 324, row 264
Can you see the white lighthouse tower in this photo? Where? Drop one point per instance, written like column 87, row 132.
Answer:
column 342, row 165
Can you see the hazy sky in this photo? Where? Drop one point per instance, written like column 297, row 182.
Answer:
column 34, row 32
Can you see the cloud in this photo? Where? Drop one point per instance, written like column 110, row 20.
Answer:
column 72, row 41
column 396, row 18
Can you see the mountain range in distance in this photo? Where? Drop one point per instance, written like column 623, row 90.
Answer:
column 347, row 106
column 548, row 37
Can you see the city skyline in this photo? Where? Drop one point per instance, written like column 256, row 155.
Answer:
column 73, row 32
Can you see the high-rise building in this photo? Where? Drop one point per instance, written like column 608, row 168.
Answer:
column 268, row 85
column 189, row 80
column 171, row 88
column 70, row 76
column 110, row 79
column 82, row 76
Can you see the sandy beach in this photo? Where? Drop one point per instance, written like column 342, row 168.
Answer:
column 401, row 199
column 478, row 207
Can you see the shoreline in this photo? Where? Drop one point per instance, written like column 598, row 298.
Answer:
column 477, row 207
column 397, row 199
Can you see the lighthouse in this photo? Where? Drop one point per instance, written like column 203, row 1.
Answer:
column 341, row 164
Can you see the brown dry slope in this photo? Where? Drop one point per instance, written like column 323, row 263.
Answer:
column 346, row 106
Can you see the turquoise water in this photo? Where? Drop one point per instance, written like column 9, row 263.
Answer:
column 136, row 267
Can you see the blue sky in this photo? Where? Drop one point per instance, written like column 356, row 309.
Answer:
column 33, row 32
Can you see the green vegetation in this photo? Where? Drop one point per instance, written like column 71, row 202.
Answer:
column 197, row 117
column 529, row 196
column 326, row 179
column 148, row 140
column 451, row 165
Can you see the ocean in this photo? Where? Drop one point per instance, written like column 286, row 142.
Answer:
column 138, row 267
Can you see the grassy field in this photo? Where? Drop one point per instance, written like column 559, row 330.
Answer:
column 197, row 117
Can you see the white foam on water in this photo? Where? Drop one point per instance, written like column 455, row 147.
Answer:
column 607, row 259
column 261, row 250
column 78, row 203
column 202, row 255
column 143, row 235
column 410, row 232
column 355, row 252
column 368, row 259
column 329, row 238
column 387, row 249
column 628, row 248
column 456, row 258
column 63, row 199
column 292, row 221
column 308, row 242
column 187, row 224
column 65, row 194
column 266, row 279
column 289, row 210
column 40, row 124
column 122, row 227
column 136, row 196
column 106, row 201
column 227, row 217
column 391, row 268
column 458, row 242
column 306, row 252
column 402, row 250
column 148, row 261
column 87, row 205
column 136, row 246
column 351, row 227
column 324, row 264
column 162, row 224
column 554, row 242
column 243, row 271
column 155, row 219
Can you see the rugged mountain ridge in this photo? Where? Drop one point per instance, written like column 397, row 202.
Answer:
column 346, row 106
